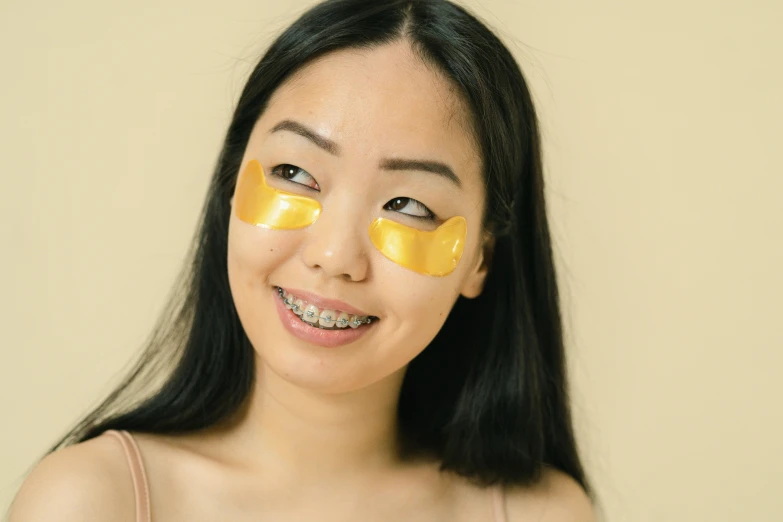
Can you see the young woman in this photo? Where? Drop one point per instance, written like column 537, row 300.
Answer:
column 369, row 328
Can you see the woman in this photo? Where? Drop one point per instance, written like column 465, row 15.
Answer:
column 369, row 328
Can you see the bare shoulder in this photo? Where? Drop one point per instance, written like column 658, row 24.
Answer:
column 87, row 481
column 556, row 498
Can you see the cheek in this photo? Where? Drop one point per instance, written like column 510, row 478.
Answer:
column 419, row 306
column 429, row 297
column 255, row 252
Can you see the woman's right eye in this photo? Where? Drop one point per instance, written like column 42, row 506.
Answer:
column 291, row 172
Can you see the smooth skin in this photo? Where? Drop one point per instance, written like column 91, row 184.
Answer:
column 315, row 440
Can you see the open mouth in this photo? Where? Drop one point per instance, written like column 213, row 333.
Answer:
column 323, row 319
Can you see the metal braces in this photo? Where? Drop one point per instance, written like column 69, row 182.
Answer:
column 309, row 313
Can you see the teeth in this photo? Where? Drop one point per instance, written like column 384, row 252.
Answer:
column 325, row 318
column 354, row 321
column 343, row 319
column 310, row 314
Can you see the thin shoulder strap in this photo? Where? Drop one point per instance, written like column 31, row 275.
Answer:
column 499, row 503
column 136, row 464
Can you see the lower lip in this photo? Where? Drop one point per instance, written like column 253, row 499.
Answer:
column 314, row 335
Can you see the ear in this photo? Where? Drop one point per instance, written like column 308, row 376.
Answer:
column 474, row 281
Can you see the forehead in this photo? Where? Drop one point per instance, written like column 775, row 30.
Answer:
column 381, row 102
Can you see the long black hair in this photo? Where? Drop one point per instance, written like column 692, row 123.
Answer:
column 489, row 401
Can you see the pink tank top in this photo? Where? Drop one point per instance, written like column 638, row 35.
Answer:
column 141, row 488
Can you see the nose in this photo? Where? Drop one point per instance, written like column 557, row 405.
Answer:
column 336, row 244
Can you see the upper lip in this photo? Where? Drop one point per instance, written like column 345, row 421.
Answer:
column 324, row 302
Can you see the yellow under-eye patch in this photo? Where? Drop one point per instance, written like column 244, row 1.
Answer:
column 259, row 204
column 434, row 252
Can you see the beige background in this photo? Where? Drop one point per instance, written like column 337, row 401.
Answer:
column 659, row 119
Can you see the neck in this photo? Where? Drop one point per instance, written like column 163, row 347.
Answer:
column 309, row 436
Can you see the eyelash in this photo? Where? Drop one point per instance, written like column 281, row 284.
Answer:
column 279, row 170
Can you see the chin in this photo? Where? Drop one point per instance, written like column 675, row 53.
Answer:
column 302, row 368
column 299, row 366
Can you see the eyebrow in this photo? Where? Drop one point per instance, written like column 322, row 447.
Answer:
column 433, row 167
column 297, row 128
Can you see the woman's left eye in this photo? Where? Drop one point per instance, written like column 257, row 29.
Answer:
column 291, row 172
column 422, row 212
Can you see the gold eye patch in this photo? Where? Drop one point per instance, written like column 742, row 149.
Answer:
column 259, row 204
column 434, row 252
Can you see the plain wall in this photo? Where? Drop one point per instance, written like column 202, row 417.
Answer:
column 659, row 123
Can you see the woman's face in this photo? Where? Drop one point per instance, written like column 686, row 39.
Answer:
column 368, row 113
